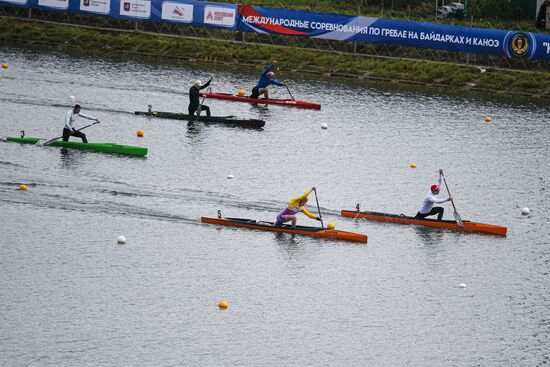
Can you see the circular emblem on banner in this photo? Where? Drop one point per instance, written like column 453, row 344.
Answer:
column 519, row 45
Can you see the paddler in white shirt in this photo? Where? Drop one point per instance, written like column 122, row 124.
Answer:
column 70, row 118
column 430, row 199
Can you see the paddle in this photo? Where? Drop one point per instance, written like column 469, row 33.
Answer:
column 455, row 213
column 48, row 142
column 319, row 209
column 291, row 96
column 199, row 109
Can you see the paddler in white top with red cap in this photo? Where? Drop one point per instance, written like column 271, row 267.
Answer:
column 430, row 199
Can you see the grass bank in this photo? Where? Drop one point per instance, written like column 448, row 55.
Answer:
column 101, row 42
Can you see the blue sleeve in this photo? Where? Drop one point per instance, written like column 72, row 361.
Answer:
column 267, row 70
column 276, row 82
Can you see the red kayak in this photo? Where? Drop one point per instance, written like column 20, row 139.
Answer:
column 281, row 102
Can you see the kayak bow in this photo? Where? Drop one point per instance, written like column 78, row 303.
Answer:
column 97, row 147
column 303, row 230
column 227, row 120
column 281, row 102
column 448, row 224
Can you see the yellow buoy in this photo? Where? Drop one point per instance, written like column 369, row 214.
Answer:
column 488, row 119
column 4, row 66
column 412, row 165
column 22, row 187
column 331, row 225
column 223, row 305
column 140, row 133
column 241, row 92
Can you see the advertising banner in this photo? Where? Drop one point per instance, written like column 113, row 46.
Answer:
column 220, row 16
column 337, row 27
column 395, row 32
column 136, row 8
column 177, row 12
column 55, row 4
column 14, row 2
column 96, row 6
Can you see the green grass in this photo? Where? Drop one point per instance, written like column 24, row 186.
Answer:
column 21, row 33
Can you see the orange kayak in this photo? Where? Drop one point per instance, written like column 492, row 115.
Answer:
column 303, row 230
column 448, row 224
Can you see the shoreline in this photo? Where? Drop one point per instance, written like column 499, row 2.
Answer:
column 129, row 44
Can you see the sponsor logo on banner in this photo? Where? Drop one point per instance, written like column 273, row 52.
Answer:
column 56, row 4
column 519, row 45
column 177, row 12
column 96, row 6
column 136, row 8
column 215, row 15
column 18, row 2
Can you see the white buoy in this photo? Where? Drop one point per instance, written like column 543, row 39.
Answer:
column 72, row 98
column 525, row 211
column 462, row 285
column 121, row 239
column 230, row 177
column 324, row 125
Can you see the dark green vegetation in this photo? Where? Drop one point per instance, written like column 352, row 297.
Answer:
column 161, row 48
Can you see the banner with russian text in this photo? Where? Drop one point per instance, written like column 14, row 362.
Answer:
column 511, row 44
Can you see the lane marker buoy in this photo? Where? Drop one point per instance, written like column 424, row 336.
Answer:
column 462, row 285
column 230, row 177
column 121, row 239
column 140, row 133
column 525, row 211
column 412, row 165
column 324, row 125
column 223, row 305
column 23, row 187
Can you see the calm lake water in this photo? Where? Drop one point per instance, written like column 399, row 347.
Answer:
column 70, row 296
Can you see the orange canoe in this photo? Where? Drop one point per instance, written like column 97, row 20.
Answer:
column 303, row 230
column 448, row 224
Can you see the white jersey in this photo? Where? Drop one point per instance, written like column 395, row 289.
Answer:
column 430, row 199
column 71, row 118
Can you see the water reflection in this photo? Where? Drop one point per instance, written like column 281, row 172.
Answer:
column 68, row 159
column 429, row 236
column 289, row 244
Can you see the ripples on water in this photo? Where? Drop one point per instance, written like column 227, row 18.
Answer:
column 70, row 296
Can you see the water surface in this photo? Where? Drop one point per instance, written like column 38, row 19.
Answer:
column 69, row 295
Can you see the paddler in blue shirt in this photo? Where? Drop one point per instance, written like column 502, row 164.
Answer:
column 267, row 78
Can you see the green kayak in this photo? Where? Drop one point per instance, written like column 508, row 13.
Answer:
column 97, row 147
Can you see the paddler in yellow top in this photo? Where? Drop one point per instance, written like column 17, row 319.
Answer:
column 295, row 206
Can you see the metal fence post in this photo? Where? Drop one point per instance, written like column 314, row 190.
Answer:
column 358, row 14
column 243, row 37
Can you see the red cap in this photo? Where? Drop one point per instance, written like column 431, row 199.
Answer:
column 435, row 188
